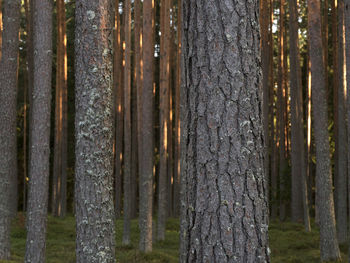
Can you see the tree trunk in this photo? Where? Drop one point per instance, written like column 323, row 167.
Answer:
column 224, row 211
column 40, row 132
column 163, row 117
column 8, row 124
column 146, row 177
column 341, row 156
column 281, row 111
column 94, row 131
column 1, row 29
column 176, row 198
column 118, row 86
column 300, row 206
column 59, row 187
column 328, row 239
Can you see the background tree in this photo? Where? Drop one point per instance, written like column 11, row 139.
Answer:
column 222, row 155
column 146, row 163
column 39, row 168
column 94, row 132
column 328, row 240
column 8, row 114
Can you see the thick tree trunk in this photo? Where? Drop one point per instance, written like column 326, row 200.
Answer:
column 328, row 239
column 146, row 176
column 127, row 123
column 40, row 132
column 341, row 155
column 300, row 206
column 118, row 86
column 224, row 208
column 94, row 131
column 163, row 118
column 8, row 115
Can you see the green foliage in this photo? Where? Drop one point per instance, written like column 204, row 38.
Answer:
column 289, row 243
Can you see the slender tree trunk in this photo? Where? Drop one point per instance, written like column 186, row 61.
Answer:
column 138, row 77
column 60, row 147
column 94, row 131
column 341, row 156
column 299, row 184
column 40, row 132
column 117, row 74
column 170, row 168
column 146, row 177
column 281, row 111
column 1, row 29
column 328, row 239
column 134, row 151
column 163, row 117
column 222, row 153
column 8, row 115
column 176, row 198
column 127, row 124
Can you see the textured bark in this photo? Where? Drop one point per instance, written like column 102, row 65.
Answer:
column 118, row 86
column 127, row 124
column 59, row 187
column 300, row 206
column 341, row 145
column 8, row 114
column 176, row 198
column 40, row 132
column 224, row 211
column 281, row 108
column 146, row 176
column 163, row 117
column 0, row 29
column 328, row 239
column 94, row 131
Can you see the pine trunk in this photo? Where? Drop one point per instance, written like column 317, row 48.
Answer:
column 328, row 239
column 146, row 176
column 224, row 211
column 40, row 132
column 8, row 122
column 94, row 131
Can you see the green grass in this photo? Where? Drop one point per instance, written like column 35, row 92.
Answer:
column 289, row 243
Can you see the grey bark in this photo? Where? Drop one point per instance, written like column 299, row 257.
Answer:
column 224, row 213
column 127, row 124
column 95, row 240
column 8, row 114
column 328, row 239
column 40, row 132
column 146, row 176
column 163, row 118
column 300, row 206
column 341, row 145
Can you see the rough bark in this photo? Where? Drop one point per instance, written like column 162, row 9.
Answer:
column 341, row 145
column 328, row 239
column 146, row 176
column 118, row 86
column 127, row 124
column 163, row 118
column 8, row 114
column 300, row 206
column 224, row 211
column 176, row 198
column 40, row 132
column 94, row 131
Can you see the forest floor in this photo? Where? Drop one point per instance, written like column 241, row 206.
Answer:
column 288, row 242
